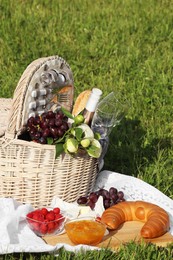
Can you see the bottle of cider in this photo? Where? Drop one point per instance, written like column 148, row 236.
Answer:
column 91, row 105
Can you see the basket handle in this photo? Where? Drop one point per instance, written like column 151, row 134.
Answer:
column 29, row 81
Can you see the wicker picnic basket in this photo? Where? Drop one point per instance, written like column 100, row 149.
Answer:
column 29, row 171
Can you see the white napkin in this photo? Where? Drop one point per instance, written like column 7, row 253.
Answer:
column 70, row 210
column 16, row 236
column 11, row 212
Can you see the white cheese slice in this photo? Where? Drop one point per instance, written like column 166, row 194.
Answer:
column 84, row 209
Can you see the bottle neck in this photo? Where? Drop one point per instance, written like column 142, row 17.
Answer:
column 91, row 105
column 88, row 116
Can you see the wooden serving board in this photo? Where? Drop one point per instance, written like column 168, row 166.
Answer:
column 129, row 231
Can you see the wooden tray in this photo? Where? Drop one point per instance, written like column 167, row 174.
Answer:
column 129, row 231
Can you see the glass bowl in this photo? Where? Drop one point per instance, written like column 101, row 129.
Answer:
column 46, row 221
column 87, row 231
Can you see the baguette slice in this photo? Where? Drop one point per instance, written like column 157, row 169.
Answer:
column 80, row 102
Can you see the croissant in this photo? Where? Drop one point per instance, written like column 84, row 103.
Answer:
column 156, row 219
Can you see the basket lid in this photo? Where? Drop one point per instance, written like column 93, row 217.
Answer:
column 33, row 95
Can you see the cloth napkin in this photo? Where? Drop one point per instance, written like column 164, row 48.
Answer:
column 16, row 236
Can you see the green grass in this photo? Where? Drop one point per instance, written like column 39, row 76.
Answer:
column 120, row 45
column 130, row 251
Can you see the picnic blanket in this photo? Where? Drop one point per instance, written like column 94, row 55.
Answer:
column 17, row 237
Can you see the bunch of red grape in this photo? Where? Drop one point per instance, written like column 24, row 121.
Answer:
column 110, row 198
column 49, row 124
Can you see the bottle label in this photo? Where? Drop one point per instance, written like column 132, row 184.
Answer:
column 91, row 105
column 93, row 100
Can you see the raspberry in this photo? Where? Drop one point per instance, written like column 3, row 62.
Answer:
column 35, row 216
column 30, row 215
column 58, row 216
column 30, row 221
column 35, row 226
column 50, row 216
column 44, row 211
column 43, row 228
column 51, row 227
column 56, row 225
column 56, row 210
column 59, row 219
column 38, row 216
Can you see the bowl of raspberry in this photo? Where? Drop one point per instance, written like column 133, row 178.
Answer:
column 46, row 221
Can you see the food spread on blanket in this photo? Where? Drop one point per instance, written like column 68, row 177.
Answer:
column 69, row 132
column 88, row 229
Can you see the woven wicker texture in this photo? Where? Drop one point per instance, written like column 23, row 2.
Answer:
column 5, row 106
column 29, row 171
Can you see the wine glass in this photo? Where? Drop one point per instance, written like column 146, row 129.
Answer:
column 108, row 114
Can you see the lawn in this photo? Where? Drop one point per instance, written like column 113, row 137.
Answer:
column 116, row 45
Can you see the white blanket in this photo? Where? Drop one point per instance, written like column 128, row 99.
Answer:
column 16, row 236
